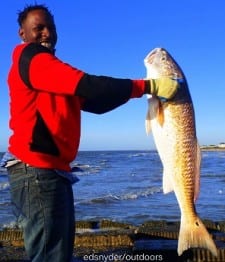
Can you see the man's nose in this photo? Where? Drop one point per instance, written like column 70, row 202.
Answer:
column 46, row 32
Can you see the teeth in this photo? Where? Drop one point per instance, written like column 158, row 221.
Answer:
column 46, row 44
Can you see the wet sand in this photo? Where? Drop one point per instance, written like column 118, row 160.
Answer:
column 112, row 241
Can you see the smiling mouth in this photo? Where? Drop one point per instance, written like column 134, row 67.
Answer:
column 46, row 44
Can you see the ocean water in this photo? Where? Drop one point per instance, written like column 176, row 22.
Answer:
column 126, row 186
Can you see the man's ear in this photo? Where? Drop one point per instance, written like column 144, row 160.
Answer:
column 22, row 34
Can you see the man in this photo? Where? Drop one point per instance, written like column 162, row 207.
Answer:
column 47, row 97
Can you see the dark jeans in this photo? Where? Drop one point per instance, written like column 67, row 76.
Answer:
column 44, row 205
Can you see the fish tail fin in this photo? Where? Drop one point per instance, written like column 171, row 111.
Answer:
column 195, row 235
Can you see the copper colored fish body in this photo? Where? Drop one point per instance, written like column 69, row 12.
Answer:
column 172, row 123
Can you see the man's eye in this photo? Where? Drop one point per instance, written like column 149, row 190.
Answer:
column 38, row 28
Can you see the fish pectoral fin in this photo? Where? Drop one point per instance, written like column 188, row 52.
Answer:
column 147, row 126
column 194, row 235
column 160, row 115
column 148, row 123
column 167, row 183
column 155, row 112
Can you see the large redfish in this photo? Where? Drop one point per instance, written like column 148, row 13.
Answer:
column 173, row 126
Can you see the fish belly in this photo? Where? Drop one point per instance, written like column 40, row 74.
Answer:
column 177, row 146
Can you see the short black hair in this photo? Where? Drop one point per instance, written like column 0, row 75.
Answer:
column 22, row 15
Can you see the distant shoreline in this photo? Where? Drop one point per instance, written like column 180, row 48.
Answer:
column 209, row 148
column 203, row 148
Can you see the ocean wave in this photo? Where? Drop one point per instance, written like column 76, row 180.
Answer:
column 138, row 154
column 4, row 186
column 140, row 194
column 5, row 202
column 85, row 169
column 133, row 195
column 3, row 171
column 9, row 225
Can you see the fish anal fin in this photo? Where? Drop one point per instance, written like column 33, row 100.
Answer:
column 195, row 235
column 167, row 183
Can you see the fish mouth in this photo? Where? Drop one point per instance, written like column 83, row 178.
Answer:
column 158, row 51
column 161, row 64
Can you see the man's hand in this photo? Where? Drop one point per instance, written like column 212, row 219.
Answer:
column 163, row 87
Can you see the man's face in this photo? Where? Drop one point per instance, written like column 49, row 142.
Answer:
column 39, row 28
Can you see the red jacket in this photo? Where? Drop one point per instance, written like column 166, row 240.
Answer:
column 47, row 97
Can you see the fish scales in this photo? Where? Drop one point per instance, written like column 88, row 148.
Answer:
column 172, row 123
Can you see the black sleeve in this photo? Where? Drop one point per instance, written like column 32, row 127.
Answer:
column 26, row 56
column 102, row 93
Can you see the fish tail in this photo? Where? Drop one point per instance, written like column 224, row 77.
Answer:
column 195, row 235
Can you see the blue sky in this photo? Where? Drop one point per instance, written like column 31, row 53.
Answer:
column 112, row 37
